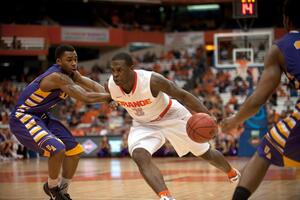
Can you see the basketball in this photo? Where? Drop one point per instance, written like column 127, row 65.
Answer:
column 201, row 127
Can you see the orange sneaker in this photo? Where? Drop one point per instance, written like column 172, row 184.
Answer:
column 166, row 198
column 234, row 175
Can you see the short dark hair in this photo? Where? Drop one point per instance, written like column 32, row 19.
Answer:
column 291, row 10
column 123, row 56
column 60, row 50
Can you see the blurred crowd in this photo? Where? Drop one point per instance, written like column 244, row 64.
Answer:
column 221, row 91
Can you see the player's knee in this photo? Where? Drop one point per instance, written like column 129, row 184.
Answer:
column 140, row 155
column 207, row 155
column 53, row 146
column 75, row 157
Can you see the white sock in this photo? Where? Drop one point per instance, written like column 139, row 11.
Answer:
column 64, row 184
column 52, row 182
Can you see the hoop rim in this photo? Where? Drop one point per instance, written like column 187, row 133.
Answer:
column 242, row 63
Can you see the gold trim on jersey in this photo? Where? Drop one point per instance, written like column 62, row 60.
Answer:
column 21, row 110
column 24, row 107
column 40, row 135
column 36, row 98
column 296, row 115
column 30, row 103
column 298, row 107
column 18, row 114
column 277, row 147
column 297, row 44
column 42, row 93
column 277, row 137
column 35, row 129
column 25, row 118
column 76, row 150
column 290, row 122
column 288, row 162
column 30, row 124
column 283, row 129
column 46, row 153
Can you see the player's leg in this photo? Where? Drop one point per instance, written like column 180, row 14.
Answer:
column 32, row 133
column 72, row 154
column 217, row 159
column 175, row 132
column 268, row 152
column 252, row 175
column 149, row 170
column 142, row 143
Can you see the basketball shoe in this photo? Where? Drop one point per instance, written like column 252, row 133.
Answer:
column 166, row 198
column 55, row 193
column 234, row 175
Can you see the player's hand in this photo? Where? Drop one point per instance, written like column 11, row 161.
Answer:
column 229, row 124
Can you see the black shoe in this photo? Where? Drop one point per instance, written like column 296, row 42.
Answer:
column 63, row 188
column 55, row 193
column 66, row 195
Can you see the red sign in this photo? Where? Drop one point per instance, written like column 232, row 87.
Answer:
column 244, row 8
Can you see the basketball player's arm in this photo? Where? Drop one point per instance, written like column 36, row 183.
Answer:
column 87, row 83
column 269, row 81
column 67, row 85
column 159, row 83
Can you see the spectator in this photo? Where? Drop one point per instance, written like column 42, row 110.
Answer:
column 124, row 146
column 105, row 148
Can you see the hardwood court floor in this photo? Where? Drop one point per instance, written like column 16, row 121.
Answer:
column 119, row 179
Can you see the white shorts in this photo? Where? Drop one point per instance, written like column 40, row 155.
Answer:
column 152, row 135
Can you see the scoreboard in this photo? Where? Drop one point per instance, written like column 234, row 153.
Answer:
column 244, row 9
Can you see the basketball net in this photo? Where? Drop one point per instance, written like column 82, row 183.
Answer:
column 242, row 67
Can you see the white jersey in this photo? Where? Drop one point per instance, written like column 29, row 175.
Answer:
column 139, row 103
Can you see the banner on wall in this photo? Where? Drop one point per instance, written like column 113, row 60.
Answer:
column 92, row 144
column 79, row 34
column 184, row 39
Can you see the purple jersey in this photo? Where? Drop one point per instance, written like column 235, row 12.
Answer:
column 34, row 100
column 32, row 125
column 289, row 46
column 281, row 144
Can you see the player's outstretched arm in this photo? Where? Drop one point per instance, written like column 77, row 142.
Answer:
column 87, row 83
column 160, row 83
column 268, row 83
column 67, row 85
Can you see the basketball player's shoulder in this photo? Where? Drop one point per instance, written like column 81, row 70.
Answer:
column 142, row 71
column 143, row 74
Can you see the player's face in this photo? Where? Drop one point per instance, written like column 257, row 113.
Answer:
column 120, row 72
column 68, row 61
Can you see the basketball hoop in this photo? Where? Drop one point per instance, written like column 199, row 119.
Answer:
column 242, row 67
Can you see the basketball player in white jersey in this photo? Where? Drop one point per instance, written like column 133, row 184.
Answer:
column 157, row 117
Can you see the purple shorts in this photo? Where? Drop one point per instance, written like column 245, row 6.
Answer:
column 43, row 134
column 280, row 146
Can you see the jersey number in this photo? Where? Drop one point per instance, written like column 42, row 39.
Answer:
column 63, row 95
column 138, row 111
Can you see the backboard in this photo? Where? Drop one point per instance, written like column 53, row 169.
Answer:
column 249, row 46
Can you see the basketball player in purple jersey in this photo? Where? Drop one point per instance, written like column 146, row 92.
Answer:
column 31, row 123
column 280, row 145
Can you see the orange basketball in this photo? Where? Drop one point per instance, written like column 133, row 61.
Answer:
column 201, row 127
